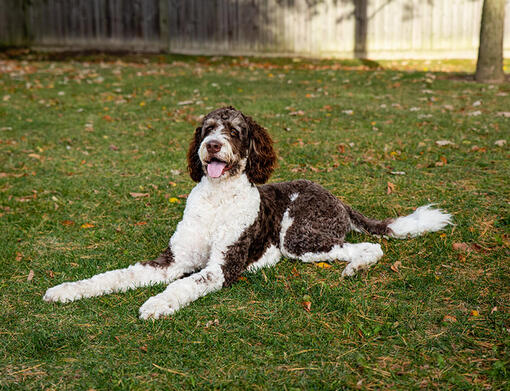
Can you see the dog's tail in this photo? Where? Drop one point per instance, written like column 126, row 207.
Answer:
column 423, row 219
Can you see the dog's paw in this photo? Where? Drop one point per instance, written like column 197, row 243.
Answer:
column 362, row 257
column 156, row 308
column 64, row 293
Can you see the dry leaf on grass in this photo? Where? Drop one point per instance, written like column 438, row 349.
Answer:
column 442, row 143
column 449, row 319
column 87, row 225
column 139, row 195
column 390, row 188
column 442, row 162
column 214, row 322
column 395, row 266
column 323, row 265
column 30, row 275
column 463, row 247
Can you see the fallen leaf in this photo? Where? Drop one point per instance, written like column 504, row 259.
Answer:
column 341, row 148
column 30, row 275
column 442, row 162
column 449, row 319
column 395, row 266
column 19, row 256
column 35, row 156
column 397, row 172
column 476, row 148
column 475, row 313
column 214, row 322
column 391, row 188
column 140, row 223
column 298, row 112
column 242, row 278
column 114, row 147
column 500, row 143
column 143, row 348
column 87, row 225
column 505, row 114
column 494, row 309
column 323, row 265
column 307, row 305
column 107, row 118
column 139, row 195
column 67, row 222
column 463, row 247
column 442, row 143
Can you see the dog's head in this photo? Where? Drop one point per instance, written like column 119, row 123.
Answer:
column 229, row 143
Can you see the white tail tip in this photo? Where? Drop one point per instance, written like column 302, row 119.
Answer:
column 423, row 219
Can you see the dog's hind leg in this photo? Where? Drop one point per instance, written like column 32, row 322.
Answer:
column 358, row 255
column 307, row 244
column 163, row 269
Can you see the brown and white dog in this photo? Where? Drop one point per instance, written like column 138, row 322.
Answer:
column 231, row 225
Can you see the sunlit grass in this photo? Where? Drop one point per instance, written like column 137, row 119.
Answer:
column 77, row 137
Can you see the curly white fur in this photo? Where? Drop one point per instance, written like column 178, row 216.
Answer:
column 209, row 239
column 423, row 219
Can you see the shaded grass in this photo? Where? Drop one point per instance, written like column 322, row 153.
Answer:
column 77, row 137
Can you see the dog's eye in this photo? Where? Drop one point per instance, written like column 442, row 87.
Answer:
column 209, row 128
column 234, row 132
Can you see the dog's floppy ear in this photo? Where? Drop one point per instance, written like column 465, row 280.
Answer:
column 194, row 163
column 261, row 156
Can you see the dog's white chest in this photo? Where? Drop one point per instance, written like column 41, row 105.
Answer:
column 219, row 213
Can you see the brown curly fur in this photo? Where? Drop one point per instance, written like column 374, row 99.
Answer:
column 194, row 164
column 261, row 157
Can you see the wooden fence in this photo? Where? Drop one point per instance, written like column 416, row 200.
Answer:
column 319, row 28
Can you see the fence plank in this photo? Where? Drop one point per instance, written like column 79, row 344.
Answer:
column 319, row 28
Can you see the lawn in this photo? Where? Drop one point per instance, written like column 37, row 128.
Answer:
column 93, row 178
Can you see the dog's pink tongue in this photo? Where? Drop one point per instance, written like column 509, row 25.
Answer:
column 215, row 169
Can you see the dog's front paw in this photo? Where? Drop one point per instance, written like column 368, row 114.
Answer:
column 156, row 308
column 66, row 292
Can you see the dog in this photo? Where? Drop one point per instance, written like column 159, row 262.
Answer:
column 234, row 222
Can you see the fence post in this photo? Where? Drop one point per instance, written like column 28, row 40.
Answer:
column 164, row 38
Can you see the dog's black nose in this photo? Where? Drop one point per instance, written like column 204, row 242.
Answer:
column 213, row 146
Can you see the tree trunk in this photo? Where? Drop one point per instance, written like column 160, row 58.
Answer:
column 489, row 67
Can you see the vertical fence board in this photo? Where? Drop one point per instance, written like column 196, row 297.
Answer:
column 320, row 28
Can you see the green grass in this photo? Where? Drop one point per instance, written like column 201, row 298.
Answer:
column 77, row 137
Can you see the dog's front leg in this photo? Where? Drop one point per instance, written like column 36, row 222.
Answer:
column 184, row 291
column 224, row 268
column 163, row 269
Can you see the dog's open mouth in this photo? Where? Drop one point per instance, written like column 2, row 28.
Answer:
column 216, row 168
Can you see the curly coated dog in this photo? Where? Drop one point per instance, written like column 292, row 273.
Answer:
column 233, row 222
